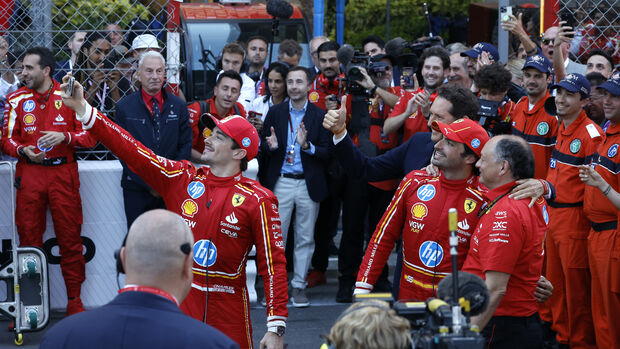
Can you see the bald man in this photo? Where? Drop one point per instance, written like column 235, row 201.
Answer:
column 146, row 312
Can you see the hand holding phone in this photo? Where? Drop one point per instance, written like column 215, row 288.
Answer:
column 70, row 87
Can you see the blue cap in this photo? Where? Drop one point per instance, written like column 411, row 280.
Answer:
column 479, row 48
column 612, row 85
column 574, row 83
column 540, row 63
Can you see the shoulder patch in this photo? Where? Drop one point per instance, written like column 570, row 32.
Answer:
column 592, row 131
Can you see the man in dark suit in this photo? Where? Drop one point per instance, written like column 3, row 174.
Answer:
column 294, row 150
column 160, row 121
column 145, row 314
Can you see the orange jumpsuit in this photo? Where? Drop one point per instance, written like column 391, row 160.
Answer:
column 566, row 244
column 539, row 129
column 604, row 243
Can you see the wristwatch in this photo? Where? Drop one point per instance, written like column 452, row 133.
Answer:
column 279, row 330
column 21, row 152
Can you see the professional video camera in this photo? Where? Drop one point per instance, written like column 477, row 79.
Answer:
column 353, row 60
column 489, row 118
column 444, row 322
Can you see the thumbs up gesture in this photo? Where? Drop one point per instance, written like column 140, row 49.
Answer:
column 272, row 140
column 335, row 120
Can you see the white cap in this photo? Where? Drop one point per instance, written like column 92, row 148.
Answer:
column 144, row 41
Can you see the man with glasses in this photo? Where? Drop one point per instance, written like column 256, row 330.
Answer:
column 159, row 120
column 548, row 47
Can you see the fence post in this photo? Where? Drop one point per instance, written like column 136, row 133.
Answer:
column 42, row 23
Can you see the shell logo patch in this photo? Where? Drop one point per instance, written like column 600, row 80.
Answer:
column 469, row 205
column 237, row 200
column 58, row 104
column 189, row 208
column 313, row 97
column 419, row 211
column 29, row 119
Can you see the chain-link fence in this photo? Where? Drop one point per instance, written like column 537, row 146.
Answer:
column 92, row 38
column 597, row 25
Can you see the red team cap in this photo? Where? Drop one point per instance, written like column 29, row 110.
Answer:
column 464, row 131
column 240, row 130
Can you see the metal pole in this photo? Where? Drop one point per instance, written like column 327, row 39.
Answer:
column 387, row 21
column 340, row 21
column 319, row 9
column 41, row 23
column 502, row 35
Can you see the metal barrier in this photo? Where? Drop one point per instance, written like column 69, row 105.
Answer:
column 597, row 23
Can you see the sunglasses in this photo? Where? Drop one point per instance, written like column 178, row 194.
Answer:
column 546, row 41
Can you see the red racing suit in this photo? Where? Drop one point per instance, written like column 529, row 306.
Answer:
column 567, row 244
column 604, row 242
column 419, row 213
column 509, row 239
column 228, row 215
column 55, row 181
column 198, row 142
column 322, row 87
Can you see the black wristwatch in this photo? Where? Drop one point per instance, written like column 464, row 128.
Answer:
column 21, row 152
column 373, row 90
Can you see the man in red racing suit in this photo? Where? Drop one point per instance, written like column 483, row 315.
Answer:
column 42, row 134
column 227, row 213
column 419, row 211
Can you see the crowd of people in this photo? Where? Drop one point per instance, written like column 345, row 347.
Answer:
column 525, row 150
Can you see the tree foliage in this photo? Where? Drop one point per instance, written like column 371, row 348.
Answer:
column 407, row 18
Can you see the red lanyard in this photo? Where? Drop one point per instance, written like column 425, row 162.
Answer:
column 150, row 290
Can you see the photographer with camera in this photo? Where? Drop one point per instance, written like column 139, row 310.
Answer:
column 413, row 108
column 96, row 71
column 496, row 108
column 506, row 248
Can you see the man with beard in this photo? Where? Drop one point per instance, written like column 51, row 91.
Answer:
column 257, row 55
column 459, row 73
column 594, row 107
column 327, row 87
column 530, row 120
column 42, row 133
column 413, row 108
column 222, row 104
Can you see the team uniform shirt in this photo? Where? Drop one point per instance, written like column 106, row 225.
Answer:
column 227, row 215
column 379, row 111
column 415, row 122
column 419, row 213
column 606, row 162
column 575, row 146
column 509, row 238
column 322, row 87
column 539, row 129
column 198, row 142
column 28, row 113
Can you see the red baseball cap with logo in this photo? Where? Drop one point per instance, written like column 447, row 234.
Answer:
column 239, row 129
column 464, row 131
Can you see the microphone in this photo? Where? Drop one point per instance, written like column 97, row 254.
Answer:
column 470, row 287
column 345, row 54
column 395, row 47
column 279, row 9
column 550, row 107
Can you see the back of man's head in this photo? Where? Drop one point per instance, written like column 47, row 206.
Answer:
column 518, row 153
column 464, row 102
column 154, row 252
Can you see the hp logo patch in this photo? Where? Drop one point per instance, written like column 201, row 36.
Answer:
column 475, row 143
column 205, row 253
column 613, row 150
column 431, row 254
column 195, row 190
column 545, row 214
column 28, row 106
column 553, row 163
column 246, row 142
column 426, row 192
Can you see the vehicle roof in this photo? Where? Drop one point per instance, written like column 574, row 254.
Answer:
column 197, row 11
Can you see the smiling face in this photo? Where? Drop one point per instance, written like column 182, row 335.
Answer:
column 489, row 165
column 433, row 72
column 440, row 112
column 599, row 64
column 448, row 154
column 611, row 106
column 535, row 82
column 458, row 73
column 568, row 104
column 33, row 75
column 218, row 148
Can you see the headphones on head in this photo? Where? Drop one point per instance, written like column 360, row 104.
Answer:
column 185, row 248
